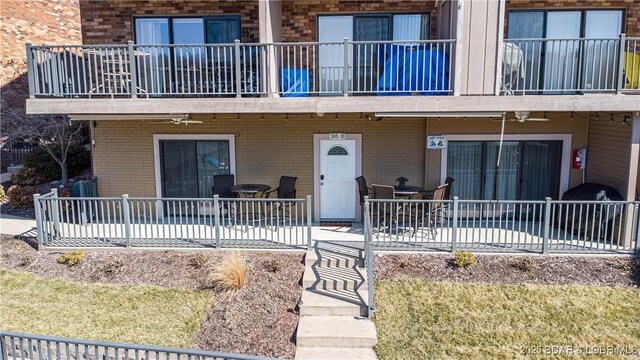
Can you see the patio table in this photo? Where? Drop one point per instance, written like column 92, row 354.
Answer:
column 407, row 190
column 250, row 190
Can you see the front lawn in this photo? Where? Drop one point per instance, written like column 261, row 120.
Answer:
column 419, row 319
column 140, row 314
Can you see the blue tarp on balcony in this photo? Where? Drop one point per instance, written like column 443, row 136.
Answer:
column 410, row 70
column 294, row 82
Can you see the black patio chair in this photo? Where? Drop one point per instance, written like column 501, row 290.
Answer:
column 222, row 187
column 363, row 189
column 286, row 190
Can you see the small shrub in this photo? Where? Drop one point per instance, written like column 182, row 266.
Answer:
column 71, row 258
column 27, row 176
column 463, row 259
column 21, row 197
column 272, row 265
column 112, row 266
column 230, row 274
column 198, row 261
column 524, row 265
column 24, row 261
column 405, row 263
column 64, row 192
column 3, row 196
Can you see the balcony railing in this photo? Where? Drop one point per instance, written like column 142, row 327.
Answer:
column 242, row 70
column 569, row 66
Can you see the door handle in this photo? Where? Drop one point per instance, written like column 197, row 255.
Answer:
column 321, row 177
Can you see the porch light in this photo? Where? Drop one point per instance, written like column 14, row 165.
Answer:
column 442, row 115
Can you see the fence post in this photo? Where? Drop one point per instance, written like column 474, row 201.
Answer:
column 636, row 210
column 133, row 71
column 39, row 226
column 546, row 225
column 127, row 219
column 55, row 213
column 216, row 219
column 236, row 45
column 30, row 71
column 345, row 70
column 621, row 64
column 368, row 249
column 309, row 230
column 454, row 230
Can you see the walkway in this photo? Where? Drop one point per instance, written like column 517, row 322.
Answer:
column 333, row 304
column 16, row 225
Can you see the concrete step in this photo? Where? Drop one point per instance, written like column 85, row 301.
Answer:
column 334, row 302
column 318, row 277
column 328, row 258
column 336, row 331
column 323, row 353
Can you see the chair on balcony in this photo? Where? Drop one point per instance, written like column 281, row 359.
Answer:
column 286, row 190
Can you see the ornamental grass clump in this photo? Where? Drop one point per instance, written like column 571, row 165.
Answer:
column 230, row 273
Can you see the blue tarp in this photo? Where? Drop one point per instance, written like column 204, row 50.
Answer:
column 414, row 69
column 294, row 82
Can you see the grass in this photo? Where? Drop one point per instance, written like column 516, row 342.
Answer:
column 430, row 320
column 230, row 273
column 138, row 314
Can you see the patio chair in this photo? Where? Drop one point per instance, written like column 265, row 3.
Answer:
column 286, row 190
column 435, row 210
column 222, row 187
column 384, row 213
column 363, row 189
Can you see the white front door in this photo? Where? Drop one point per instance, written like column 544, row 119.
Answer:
column 337, row 179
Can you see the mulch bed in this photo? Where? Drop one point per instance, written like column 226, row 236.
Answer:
column 6, row 208
column 259, row 319
column 501, row 269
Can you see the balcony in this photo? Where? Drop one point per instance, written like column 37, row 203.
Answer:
column 347, row 68
column 570, row 66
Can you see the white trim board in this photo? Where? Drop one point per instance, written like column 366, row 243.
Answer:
column 156, row 151
column 316, row 171
column 565, row 163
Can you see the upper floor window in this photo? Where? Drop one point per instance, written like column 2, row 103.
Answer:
column 187, row 30
column 564, row 24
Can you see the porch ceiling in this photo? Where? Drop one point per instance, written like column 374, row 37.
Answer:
column 368, row 104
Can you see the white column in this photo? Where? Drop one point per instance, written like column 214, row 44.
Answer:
column 632, row 178
column 270, row 25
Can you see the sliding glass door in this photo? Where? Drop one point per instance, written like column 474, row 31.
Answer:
column 188, row 166
column 528, row 170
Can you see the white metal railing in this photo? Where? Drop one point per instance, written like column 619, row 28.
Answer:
column 14, row 346
column 566, row 66
column 172, row 222
column 241, row 69
column 504, row 225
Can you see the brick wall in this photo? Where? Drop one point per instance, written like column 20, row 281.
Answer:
column 37, row 22
column 111, row 21
column 631, row 7
column 265, row 149
column 300, row 18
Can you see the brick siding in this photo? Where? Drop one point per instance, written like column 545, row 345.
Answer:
column 111, row 21
column 37, row 22
column 631, row 7
column 300, row 18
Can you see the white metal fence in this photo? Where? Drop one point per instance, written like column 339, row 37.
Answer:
column 172, row 223
column 14, row 346
column 504, row 225
column 565, row 66
column 241, row 69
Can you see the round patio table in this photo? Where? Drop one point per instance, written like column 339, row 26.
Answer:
column 407, row 190
column 250, row 190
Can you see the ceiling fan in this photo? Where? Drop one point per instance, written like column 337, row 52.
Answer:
column 178, row 121
column 523, row 116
